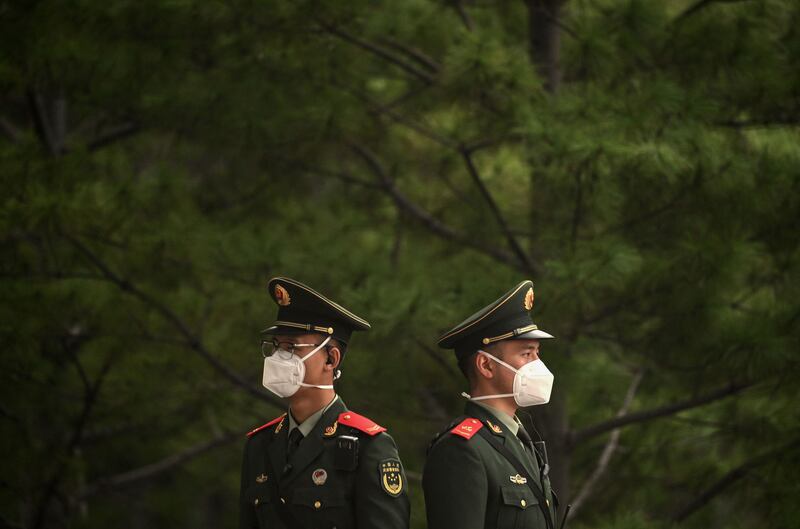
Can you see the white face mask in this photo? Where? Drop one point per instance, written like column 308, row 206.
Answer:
column 284, row 372
column 533, row 383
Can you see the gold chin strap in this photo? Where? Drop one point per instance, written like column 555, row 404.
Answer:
column 515, row 332
column 306, row 326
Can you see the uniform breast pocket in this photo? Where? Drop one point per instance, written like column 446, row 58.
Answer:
column 519, row 509
column 322, row 507
column 259, row 500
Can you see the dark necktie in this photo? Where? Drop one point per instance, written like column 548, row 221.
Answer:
column 295, row 436
column 523, row 436
column 522, row 433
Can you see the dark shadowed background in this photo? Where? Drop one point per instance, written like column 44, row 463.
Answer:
column 638, row 160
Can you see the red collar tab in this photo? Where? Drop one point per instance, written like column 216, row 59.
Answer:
column 467, row 428
column 359, row 422
column 270, row 423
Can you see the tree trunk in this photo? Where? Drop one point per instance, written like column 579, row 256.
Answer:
column 544, row 40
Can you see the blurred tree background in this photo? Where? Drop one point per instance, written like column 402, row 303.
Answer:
column 637, row 159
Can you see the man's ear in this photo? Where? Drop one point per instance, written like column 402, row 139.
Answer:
column 334, row 358
column 484, row 366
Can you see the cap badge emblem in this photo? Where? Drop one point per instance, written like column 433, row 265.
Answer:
column 282, row 296
column 529, row 299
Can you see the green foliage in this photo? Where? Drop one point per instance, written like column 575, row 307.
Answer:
column 161, row 160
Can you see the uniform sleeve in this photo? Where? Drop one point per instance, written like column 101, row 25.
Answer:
column 247, row 515
column 375, row 505
column 455, row 485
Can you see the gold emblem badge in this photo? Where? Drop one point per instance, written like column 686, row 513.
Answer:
column 494, row 427
column 529, row 299
column 280, row 425
column 391, row 476
column 518, row 480
column 262, row 478
column 282, row 296
column 330, row 430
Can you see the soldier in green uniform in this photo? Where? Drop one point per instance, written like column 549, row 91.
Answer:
column 484, row 470
column 319, row 464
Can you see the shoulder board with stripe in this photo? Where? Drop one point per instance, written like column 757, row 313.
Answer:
column 359, row 422
column 467, row 428
column 263, row 426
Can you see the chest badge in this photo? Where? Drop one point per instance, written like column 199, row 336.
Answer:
column 319, row 476
column 518, row 480
column 391, row 477
column 330, row 430
column 262, row 478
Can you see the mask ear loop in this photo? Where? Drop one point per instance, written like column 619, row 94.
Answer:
column 317, row 348
column 485, row 397
column 326, row 386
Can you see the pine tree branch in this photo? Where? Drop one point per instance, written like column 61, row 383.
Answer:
column 378, row 51
column 41, row 124
column 524, row 260
column 786, row 120
column 192, row 341
column 608, row 451
column 458, row 5
column 385, row 110
column 731, row 477
column 90, row 398
column 154, row 470
column 120, row 132
column 413, row 53
column 579, row 436
column 525, row 264
column 446, row 366
column 424, row 217
column 700, row 5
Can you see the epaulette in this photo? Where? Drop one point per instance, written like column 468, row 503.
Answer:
column 467, row 428
column 359, row 422
column 441, row 433
column 270, row 423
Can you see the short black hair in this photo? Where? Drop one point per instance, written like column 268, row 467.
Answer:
column 467, row 366
column 466, row 363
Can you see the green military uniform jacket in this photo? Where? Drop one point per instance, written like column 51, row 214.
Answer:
column 346, row 473
column 469, row 484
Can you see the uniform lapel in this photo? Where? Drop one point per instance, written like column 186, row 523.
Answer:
column 277, row 448
column 511, row 441
column 311, row 445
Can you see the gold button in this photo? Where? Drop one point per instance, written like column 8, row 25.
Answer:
column 317, row 504
column 523, row 503
column 283, row 501
column 256, row 502
column 347, row 416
